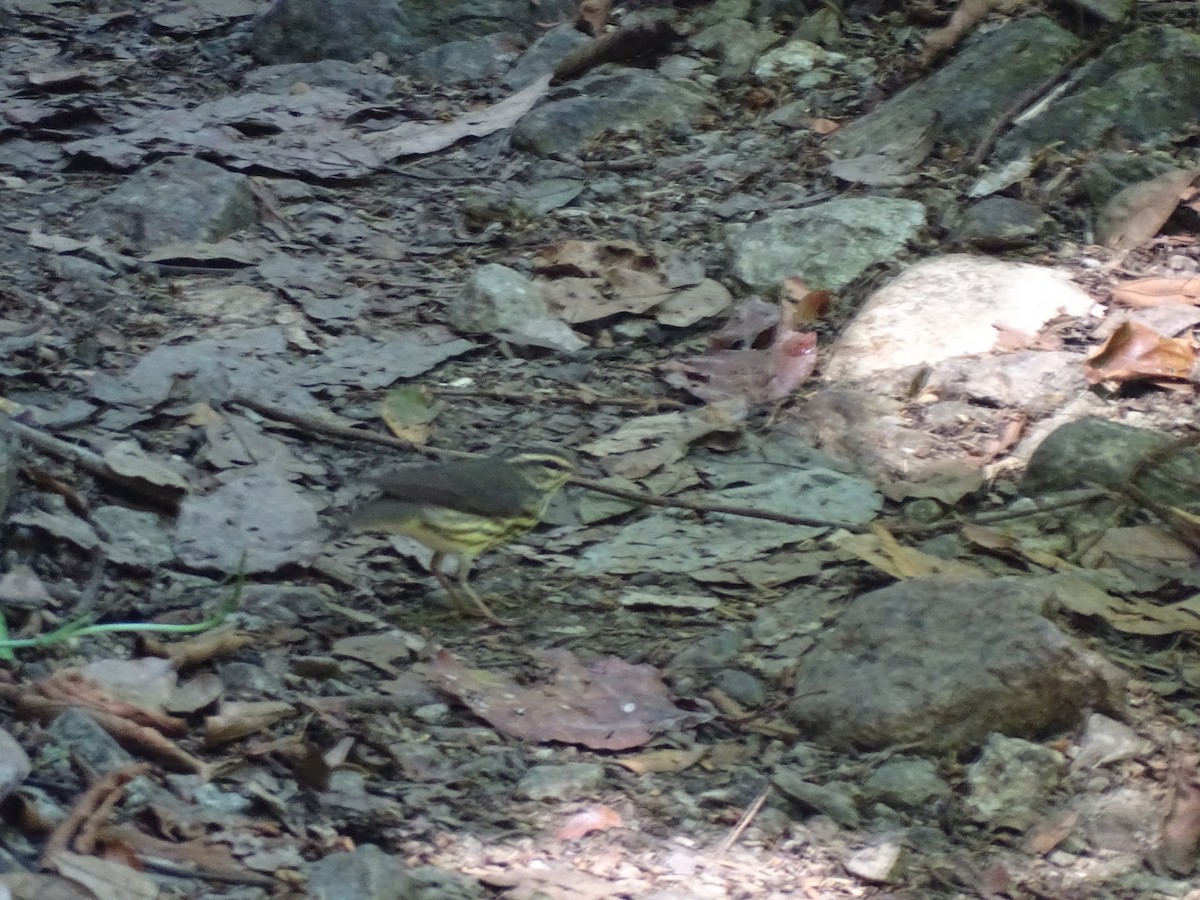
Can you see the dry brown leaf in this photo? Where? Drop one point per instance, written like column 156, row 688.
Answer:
column 1156, row 291
column 609, row 705
column 1051, row 831
column 1134, row 351
column 236, row 720
column 1180, row 840
column 807, row 305
column 1137, row 213
column 823, row 126
column 1132, row 615
column 594, row 818
column 881, row 550
column 662, row 760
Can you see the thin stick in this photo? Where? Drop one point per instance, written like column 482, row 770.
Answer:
column 98, row 800
column 744, row 823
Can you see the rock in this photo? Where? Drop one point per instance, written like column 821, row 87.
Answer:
column 333, row 73
column 14, row 764
column 503, row 302
column 1001, row 223
column 954, row 303
column 828, row 245
column 977, row 84
column 1107, row 10
column 1107, row 741
column 797, row 61
column 1012, row 782
column 834, row 799
column 543, row 55
column 78, row 735
column 365, row 873
column 175, row 199
column 736, row 43
column 1038, row 382
column 603, row 101
column 566, row 782
column 878, row 863
column 465, row 62
column 944, row 662
column 304, row 31
column 1104, row 453
column 906, row 783
column 1141, row 90
column 742, row 687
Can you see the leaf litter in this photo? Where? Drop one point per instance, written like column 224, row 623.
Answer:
column 256, row 486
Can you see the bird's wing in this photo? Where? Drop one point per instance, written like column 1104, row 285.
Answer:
column 485, row 487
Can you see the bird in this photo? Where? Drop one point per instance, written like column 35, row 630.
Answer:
column 465, row 507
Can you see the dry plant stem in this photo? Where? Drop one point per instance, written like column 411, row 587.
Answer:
column 743, row 511
column 90, row 811
column 581, row 397
column 129, row 734
column 744, row 822
column 89, row 462
column 73, row 688
column 1162, row 454
column 650, row 38
column 202, row 648
column 1026, row 99
column 317, row 425
column 159, row 855
column 1065, row 501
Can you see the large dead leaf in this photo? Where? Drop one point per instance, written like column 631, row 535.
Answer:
column 893, row 164
column 1157, row 290
column 676, row 541
column 106, row 879
column 1132, row 615
column 1137, row 213
column 609, row 705
column 752, row 372
column 883, row 551
column 301, row 133
column 1133, row 352
column 584, row 281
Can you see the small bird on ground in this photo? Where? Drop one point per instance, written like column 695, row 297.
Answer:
column 465, row 507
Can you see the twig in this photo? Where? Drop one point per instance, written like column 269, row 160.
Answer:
column 318, row 425
column 580, row 396
column 1064, row 501
column 92, row 463
column 1026, row 99
column 646, row 39
column 743, row 511
column 90, row 810
column 744, row 822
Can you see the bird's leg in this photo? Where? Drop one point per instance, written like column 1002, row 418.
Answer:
column 460, row 590
column 464, row 570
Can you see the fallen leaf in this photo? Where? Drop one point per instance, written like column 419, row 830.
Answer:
column 594, row 818
column 609, row 705
column 1181, row 832
column 236, row 720
column 1137, row 213
column 663, row 760
column 1133, row 351
column 882, row 550
column 1157, row 290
